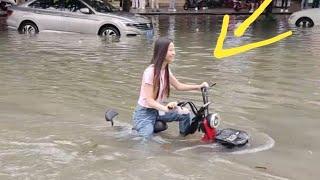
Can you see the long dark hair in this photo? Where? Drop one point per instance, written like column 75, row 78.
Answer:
column 159, row 56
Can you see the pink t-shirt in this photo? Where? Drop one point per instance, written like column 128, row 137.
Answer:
column 147, row 78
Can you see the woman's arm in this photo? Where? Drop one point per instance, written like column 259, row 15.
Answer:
column 150, row 101
column 185, row 87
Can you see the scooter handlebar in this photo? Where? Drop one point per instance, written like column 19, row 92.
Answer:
column 206, row 88
column 204, row 107
column 182, row 104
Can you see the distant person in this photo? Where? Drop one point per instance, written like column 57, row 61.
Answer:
column 155, row 88
column 172, row 5
column 268, row 11
column 3, row 6
column 304, row 4
column 135, row 4
column 142, row 4
column 125, row 4
column 253, row 5
column 284, row 6
column 315, row 4
column 155, row 5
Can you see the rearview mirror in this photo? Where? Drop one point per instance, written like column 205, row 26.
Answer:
column 85, row 10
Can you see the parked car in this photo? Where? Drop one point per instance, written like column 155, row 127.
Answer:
column 4, row 4
column 305, row 18
column 80, row 16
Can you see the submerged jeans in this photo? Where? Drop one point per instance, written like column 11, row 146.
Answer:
column 145, row 118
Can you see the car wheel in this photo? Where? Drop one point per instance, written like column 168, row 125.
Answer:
column 28, row 28
column 304, row 22
column 109, row 31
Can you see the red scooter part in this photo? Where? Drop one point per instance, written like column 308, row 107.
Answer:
column 209, row 132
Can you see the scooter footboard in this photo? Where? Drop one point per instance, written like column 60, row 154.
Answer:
column 232, row 137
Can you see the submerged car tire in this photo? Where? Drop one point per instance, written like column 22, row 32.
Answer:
column 304, row 22
column 109, row 31
column 28, row 27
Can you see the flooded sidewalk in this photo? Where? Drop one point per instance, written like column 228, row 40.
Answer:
column 164, row 10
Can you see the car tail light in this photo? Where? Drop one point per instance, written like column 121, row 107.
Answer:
column 9, row 12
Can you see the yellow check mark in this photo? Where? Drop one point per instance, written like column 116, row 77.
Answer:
column 219, row 52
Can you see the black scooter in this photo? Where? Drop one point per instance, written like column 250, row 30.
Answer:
column 203, row 121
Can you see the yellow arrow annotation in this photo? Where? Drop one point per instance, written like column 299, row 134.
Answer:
column 219, row 52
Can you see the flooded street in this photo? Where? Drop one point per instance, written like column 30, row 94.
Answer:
column 55, row 88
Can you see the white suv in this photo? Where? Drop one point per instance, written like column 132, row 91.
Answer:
column 305, row 18
column 80, row 16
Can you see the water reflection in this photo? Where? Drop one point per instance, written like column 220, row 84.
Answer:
column 172, row 24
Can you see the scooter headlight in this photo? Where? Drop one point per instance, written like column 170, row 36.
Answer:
column 214, row 120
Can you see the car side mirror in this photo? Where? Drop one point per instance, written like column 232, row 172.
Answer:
column 85, row 10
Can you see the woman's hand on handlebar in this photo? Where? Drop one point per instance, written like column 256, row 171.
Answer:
column 171, row 105
column 204, row 85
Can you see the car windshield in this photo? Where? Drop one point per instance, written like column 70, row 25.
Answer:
column 101, row 6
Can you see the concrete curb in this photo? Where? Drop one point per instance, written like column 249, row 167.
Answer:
column 203, row 13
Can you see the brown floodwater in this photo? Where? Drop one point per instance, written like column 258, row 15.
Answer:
column 55, row 88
